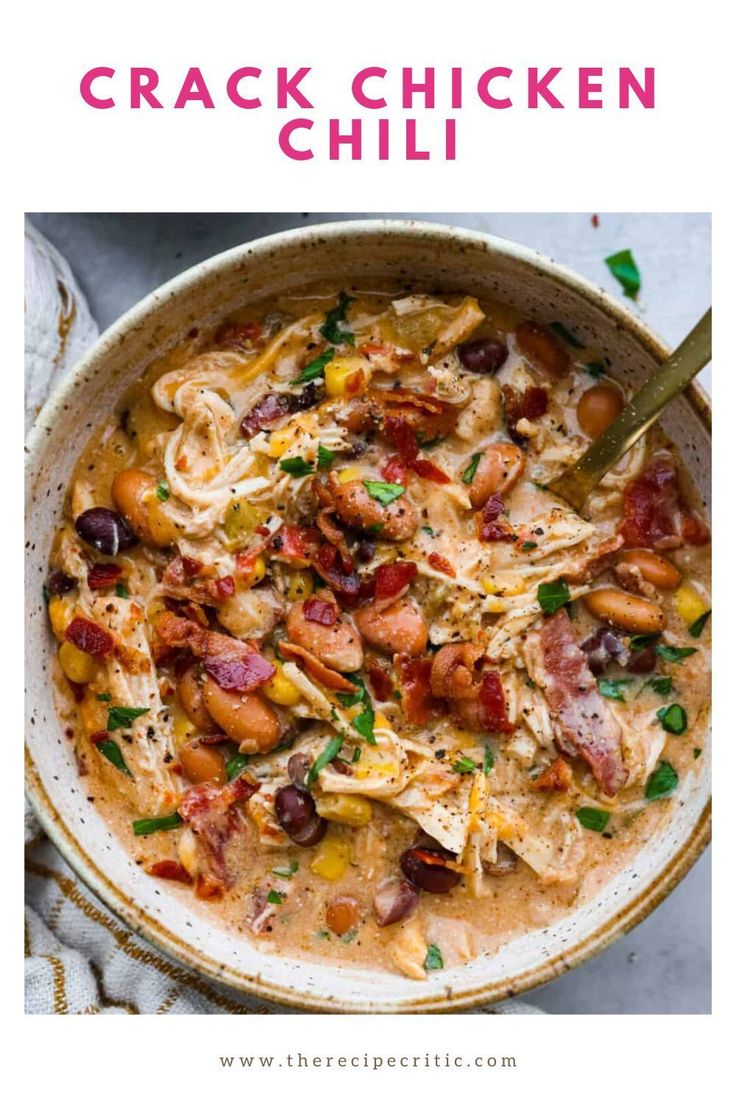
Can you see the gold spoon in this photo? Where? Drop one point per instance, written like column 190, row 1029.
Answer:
column 672, row 377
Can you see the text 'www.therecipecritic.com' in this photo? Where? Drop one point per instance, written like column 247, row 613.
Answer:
column 365, row 1061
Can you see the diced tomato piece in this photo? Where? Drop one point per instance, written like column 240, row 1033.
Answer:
column 89, row 637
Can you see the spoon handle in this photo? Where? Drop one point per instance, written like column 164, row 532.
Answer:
column 672, row 377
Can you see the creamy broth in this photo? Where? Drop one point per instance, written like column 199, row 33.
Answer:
column 336, row 664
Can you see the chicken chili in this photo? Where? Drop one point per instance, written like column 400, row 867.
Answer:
column 334, row 659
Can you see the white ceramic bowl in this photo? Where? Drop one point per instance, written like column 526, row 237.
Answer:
column 435, row 257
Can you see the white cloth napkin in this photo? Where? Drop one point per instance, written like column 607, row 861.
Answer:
column 79, row 957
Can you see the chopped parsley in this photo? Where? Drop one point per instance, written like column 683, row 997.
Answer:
column 236, row 766
column 162, row 492
column 274, row 897
column 565, row 334
column 673, row 718
column 364, row 722
column 429, row 530
column 623, row 266
column 697, row 626
column 333, row 329
column 673, row 655
column 122, row 716
column 434, row 959
column 595, row 368
column 349, row 936
column 121, row 590
column 595, row 820
column 640, row 641
column 114, row 755
column 296, row 465
column 322, row 760
column 529, row 546
column 104, row 697
column 660, row 684
column 286, row 871
column 464, row 765
column 149, row 825
column 613, row 688
column 488, row 759
column 385, row 493
column 469, row 473
column 661, row 782
column 315, row 368
column 325, row 457
column 553, row 596
column 697, row 752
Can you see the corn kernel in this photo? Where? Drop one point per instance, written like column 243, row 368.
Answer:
column 183, row 729
column 300, row 586
column 241, row 519
column 348, row 475
column 60, row 614
column 279, row 690
column 345, row 809
column 342, row 378
column 76, row 665
column 505, row 585
column 381, row 721
column 155, row 609
column 331, row 859
column 279, row 442
column 256, row 574
column 689, row 604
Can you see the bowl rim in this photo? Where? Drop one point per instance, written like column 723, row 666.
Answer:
column 154, row 931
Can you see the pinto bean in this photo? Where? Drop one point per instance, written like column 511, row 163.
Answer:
column 189, row 689
column 499, row 469
column 400, row 628
column 134, row 493
column 246, row 718
column 201, row 763
column 597, row 407
column 542, row 348
column 625, row 611
column 657, row 570
column 338, row 646
column 355, row 507
column 342, row 915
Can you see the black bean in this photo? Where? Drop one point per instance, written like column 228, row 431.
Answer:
column 425, row 868
column 297, row 815
column 297, row 769
column 365, row 549
column 605, row 646
column 394, row 901
column 308, row 397
column 105, row 530
column 642, row 662
column 484, row 355
column 59, row 583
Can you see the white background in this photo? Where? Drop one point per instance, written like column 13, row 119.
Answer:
column 62, row 156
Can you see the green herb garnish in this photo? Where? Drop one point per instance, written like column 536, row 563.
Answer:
column 469, row 473
column 662, row 782
column 488, row 759
column 104, row 697
column 613, row 688
column 349, row 936
column 428, row 530
column 332, row 328
column 697, row 626
column 553, row 596
column 274, row 897
column 314, row 369
column 697, row 752
column 322, row 934
column 365, row 720
column 385, row 493
column 322, row 760
column 673, row 655
column 595, row 368
column 356, row 754
column 528, row 546
column 640, row 641
column 623, row 266
column 162, row 492
column 286, row 871
column 236, row 766
column 434, row 959
column 660, row 684
column 325, row 457
column 149, row 825
column 464, row 765
column 122, row 716
column 296, row 465
column 121, row 590
column 673, row 718
column 565, row 334
column 595, row 820
column 114, row 755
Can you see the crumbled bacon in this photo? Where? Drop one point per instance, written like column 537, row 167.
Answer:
column 382, row 685
column 243, row 673
column 233, row 664
column 172, row 871
column 395, row 470
column 417, row 700
column 493, row 525
column 102, row 575
column 474, row 691
column 212, row 814
column 190, row 567
column 269, row 409
column 655, row 514
column 233, row 335
column 439, row 563
column 333, row 680
column 530, row 403
column 181, row 581
column 295, row 545
column 90, row 637
column 334, row 535
column 225, row 587
column 404, row 439
column 319, row 611
column 425, row 469
column 594, row 561
column 391, row 582
column 557, row 778
column 585, row 726
column 347, row 584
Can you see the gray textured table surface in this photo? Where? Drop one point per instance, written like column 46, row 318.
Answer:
column 664, row 964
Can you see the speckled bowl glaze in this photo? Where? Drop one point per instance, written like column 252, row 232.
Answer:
column 426, row 255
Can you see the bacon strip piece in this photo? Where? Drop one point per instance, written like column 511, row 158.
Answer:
column 585, row 726
column 417, row 701
column 180, row 581
column 333, row 680
column 211, row 813
column 493, row 525
column 233, row 664
column 655, row 514
column 391, row 582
